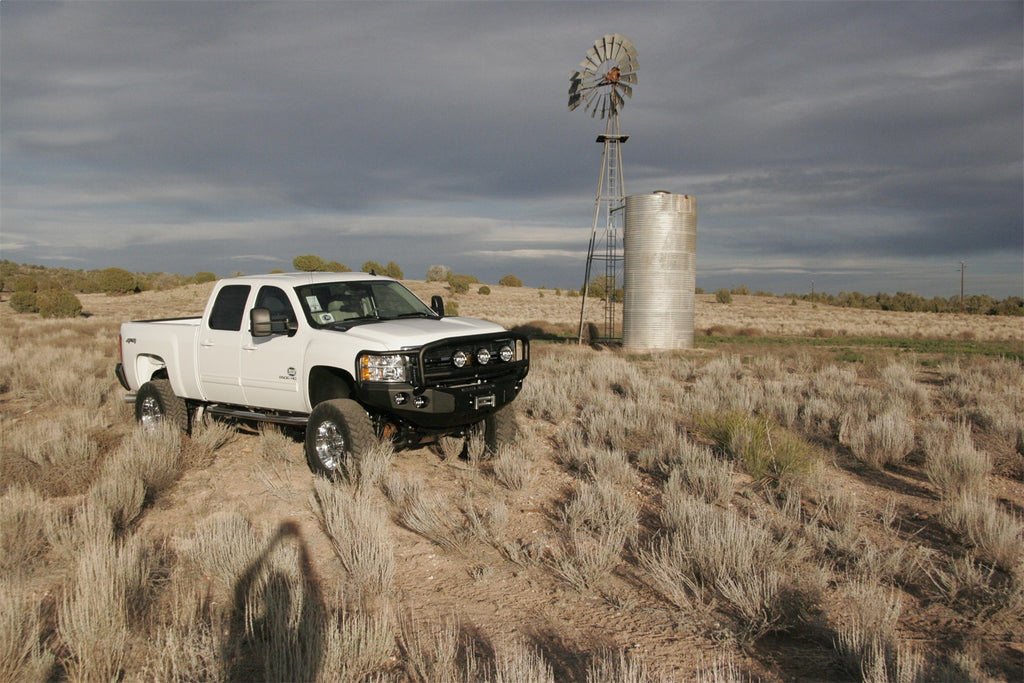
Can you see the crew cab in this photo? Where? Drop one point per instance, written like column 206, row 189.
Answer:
column 350, row 357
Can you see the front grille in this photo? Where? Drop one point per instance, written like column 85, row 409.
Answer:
column 436, row 366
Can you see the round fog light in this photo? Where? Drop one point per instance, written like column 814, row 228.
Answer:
column 483, row 356
column 419, row 401
column 505, row 354
column 459, row 359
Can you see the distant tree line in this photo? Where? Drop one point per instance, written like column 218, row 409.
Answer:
column 51, row 292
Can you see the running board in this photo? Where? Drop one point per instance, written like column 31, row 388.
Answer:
column 241, row 414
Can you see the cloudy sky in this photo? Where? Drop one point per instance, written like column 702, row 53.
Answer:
column 868, row 146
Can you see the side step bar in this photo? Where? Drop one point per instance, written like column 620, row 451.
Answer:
column 242, row 414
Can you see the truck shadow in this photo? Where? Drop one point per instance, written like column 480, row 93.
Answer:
column 275, row 629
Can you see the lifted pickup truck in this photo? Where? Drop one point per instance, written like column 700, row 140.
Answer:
column 350, row 357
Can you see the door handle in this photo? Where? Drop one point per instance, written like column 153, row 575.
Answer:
column 206, row 342
column 250, row 347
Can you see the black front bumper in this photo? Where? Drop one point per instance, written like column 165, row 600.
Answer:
column 441, row 407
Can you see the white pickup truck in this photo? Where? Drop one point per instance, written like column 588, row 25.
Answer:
column 349, row 356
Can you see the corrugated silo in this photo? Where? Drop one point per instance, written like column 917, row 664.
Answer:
column 660, row 250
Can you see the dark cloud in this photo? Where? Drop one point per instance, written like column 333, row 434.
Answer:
column 842, row 137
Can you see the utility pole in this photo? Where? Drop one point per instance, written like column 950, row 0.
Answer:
column 962, row 286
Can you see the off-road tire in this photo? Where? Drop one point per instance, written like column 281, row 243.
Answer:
column 500, row 429
column 156, row 403
column 338, row 434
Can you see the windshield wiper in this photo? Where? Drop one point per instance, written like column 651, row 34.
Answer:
column 414, row 314
column 344, row 325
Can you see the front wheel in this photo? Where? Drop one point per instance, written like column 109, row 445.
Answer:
column 338, row 431
column 155, row 403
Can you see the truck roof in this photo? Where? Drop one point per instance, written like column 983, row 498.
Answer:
column 295, row 279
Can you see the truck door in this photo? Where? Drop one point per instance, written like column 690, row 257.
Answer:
column 220, row 346
column 272, row 366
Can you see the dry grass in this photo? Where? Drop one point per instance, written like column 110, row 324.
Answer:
column 156, row 556
column 358, row 531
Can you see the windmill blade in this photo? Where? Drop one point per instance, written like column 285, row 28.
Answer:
column 605, row 78
column 614, row 48
column 593, row 59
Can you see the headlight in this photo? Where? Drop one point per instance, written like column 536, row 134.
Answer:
column 459, row 359
column 505, row 353
column 390, row 368
column 483, row 356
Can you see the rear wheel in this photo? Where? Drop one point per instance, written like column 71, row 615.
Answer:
column 338, row 431
column 155, row 403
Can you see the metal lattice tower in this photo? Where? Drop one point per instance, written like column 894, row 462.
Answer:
column 602, row 81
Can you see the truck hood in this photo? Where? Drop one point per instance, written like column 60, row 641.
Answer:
column 411, row 332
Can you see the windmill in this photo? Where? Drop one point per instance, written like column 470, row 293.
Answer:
column 601, row 83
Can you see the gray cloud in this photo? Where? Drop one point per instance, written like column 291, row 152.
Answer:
column 871, row 143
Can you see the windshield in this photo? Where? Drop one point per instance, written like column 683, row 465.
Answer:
column 343, row 304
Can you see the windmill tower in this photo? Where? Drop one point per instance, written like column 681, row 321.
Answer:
column 601, row 82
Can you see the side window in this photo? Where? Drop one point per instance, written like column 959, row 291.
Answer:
column 281, row 313
column 229, row 308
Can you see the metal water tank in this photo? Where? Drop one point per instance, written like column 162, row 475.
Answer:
column 660, row 271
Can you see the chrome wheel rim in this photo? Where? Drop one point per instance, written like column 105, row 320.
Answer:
column 329, row 445
column 150, row 412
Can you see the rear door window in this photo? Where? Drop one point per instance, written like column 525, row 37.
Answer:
column 229, row 309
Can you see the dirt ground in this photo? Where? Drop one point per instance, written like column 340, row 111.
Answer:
column 499, row 600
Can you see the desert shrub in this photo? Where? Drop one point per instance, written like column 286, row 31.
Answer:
column 866, row 633
column 22, row 656
column 995, row 535
column 392, row 269
column 511, row 468
column 58, row 304
column 309, row 263
column 358, row 530
column 335, row 267
column 23, row 528
column 510, row 281
column 24, row 302
column 723, row 296
column 451, row 307
column 459, row 284
column 952, row 462
column 116, row 281
column 882, row 440
column 203, row 276
column 768, row 453
column 742, row 290
column 93, row 621
column 424, row 512
column 372, row 267
column 484, row 289
column 438, row 273
column 24, row 283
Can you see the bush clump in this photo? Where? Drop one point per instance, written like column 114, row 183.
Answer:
column 309, row 263
column 58, row 303
column 24, row 302
column 24, row 283
column 484, row 289
column 510, row 281
column 335, row 267
column 116, row 281
column 203, row 276
column 438, row 273
column 723, row 296
column 459, row 284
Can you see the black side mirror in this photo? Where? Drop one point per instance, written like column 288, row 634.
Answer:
column 437, row 304
column 259, row 322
